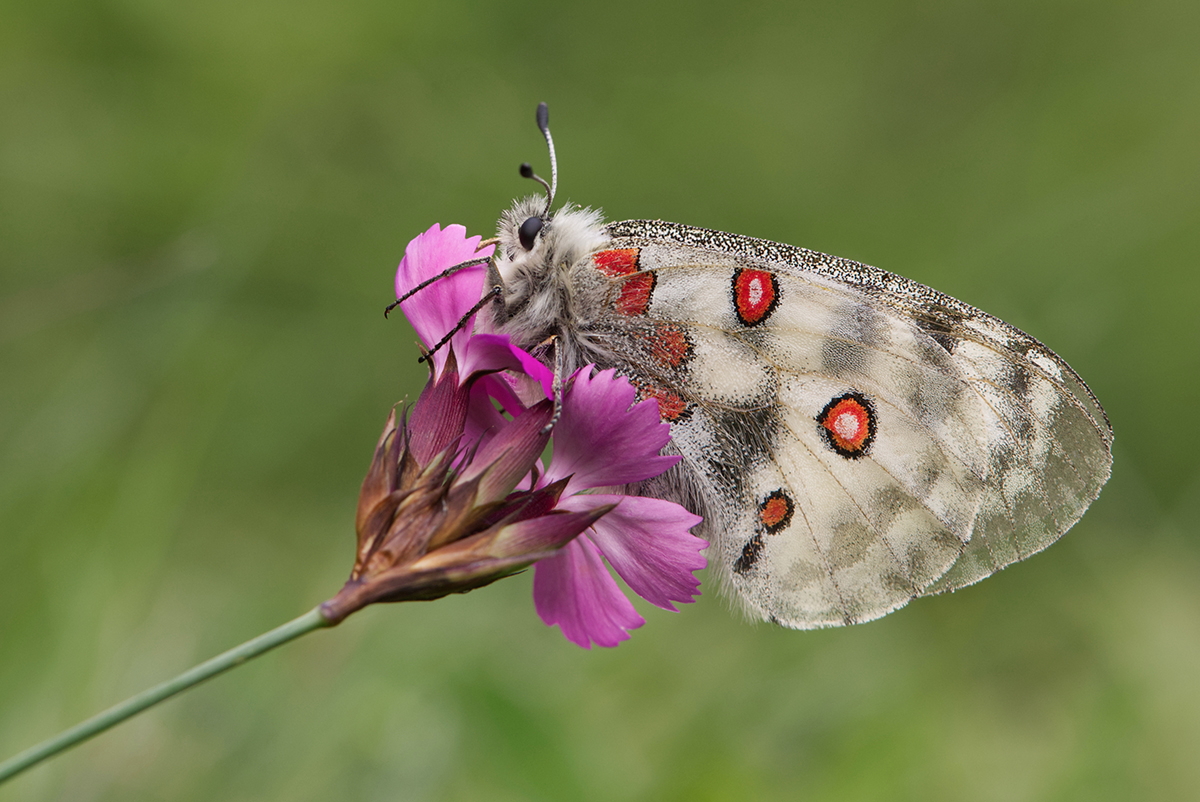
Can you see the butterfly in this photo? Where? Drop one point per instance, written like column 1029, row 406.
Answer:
column 853, row 439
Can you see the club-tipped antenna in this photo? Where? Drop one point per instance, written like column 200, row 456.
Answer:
column 527, row 172
column 543, row 124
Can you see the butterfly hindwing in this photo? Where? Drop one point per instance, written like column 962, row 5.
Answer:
column 857, row 438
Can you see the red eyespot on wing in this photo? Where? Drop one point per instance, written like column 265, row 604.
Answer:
column 636, row 290
column 848, row 424
column 755, row 295
column 775, row 513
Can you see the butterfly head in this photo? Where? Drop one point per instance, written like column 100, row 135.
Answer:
column 533, row 244
column 541, row 295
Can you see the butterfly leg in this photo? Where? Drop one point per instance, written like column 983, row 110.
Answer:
column 557, row 384
column 496, row 285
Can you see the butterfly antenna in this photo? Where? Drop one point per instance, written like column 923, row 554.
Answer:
column 543, row 124
column 449, row 271
column 494, row 292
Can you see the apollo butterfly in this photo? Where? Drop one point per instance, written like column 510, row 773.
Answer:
column 852, row 438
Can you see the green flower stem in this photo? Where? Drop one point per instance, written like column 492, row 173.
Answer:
column 136, row 704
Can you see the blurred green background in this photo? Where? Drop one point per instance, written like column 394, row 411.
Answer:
column 201, row 209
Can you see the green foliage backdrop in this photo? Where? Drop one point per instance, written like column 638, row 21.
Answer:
column 201, row 208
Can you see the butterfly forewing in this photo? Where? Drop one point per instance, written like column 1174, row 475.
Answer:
column 857, row 439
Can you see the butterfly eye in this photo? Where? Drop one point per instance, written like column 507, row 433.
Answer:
column 528, row 232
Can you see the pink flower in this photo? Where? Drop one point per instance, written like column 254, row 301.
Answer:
column 602, row 440
column 437, row 309
column 438, row 516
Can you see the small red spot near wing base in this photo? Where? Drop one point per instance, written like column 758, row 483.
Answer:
column 670, row 346
column 635, row 294
column 671, row 406
column 617, row 262
column 637, row 289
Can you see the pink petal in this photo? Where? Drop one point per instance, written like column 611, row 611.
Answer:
column 437, row 309
column 483, row 419
column 494, row 352
column 604, row 441
column 506, row 457
column 575, row 590
column 646, row 540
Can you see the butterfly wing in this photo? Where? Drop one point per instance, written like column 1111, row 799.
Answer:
column 854, row 439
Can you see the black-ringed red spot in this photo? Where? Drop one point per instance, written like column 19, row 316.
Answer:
column 775, row 512
column 848, row 424
column 637, row 287
column 755, row 295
